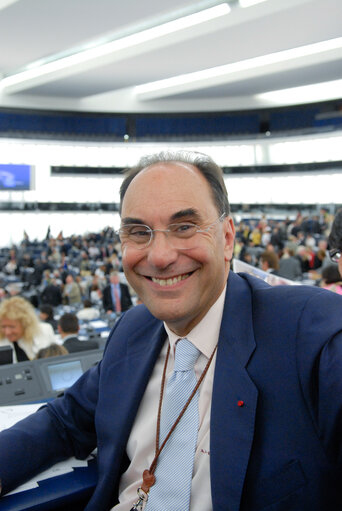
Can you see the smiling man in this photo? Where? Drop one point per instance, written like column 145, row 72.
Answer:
column 178, row 278
column 261, row 424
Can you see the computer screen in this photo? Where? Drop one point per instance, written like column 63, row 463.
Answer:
column 15, row 177
column 63, row 375
column 6, row 355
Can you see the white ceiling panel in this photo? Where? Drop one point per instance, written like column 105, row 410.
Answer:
column 37, row 33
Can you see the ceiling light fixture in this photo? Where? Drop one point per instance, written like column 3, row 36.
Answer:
column 236, row 71
column 305, row 94
column 249, row 3
column 30, row 76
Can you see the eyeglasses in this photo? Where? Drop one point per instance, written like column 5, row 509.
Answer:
column 181, row 235
column 335, row 255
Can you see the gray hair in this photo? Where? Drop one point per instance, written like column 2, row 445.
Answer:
column 208, row 168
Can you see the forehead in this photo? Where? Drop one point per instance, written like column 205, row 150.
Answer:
column 10, row 322
column 167, row 187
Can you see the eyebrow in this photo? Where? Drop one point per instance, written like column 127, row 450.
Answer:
column 182, row 214
column 130, row 220
column 186, row 213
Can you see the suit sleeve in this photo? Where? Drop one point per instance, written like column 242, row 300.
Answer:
column 319, row 350
column 61, row 429
column 106, row 299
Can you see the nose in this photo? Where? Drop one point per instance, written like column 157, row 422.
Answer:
column 161, row 253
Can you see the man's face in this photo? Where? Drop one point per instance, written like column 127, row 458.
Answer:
column 264, row 265
column 114, row 279
column 11, row 329
column 178, row 286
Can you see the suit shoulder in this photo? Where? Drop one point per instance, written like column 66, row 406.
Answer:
column 290, row 295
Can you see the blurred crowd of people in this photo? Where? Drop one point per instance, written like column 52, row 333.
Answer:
column 295, row 249
column 85, row 273
column 61, row 270
column 49, row 287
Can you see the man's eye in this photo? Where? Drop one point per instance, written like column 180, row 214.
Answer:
column 138, row 232
column 183, row 229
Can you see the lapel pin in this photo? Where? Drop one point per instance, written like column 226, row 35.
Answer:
column 240, row 403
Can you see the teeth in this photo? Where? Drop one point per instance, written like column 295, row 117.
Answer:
column 170, row 282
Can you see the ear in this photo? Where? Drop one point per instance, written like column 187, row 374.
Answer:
column 229, row 233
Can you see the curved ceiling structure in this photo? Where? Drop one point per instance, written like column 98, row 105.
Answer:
column 170, row 55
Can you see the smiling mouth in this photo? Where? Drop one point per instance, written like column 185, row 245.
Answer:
column 171, row 280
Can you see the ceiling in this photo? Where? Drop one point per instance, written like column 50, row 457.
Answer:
column 231, row 45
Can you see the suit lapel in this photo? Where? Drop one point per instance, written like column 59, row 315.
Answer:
column 234, row 399
column 135, row 371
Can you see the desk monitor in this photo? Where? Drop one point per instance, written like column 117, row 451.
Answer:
column 64, row 374
column 43, row 379
column 6, row 355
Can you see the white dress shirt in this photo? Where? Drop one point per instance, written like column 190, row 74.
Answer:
column 141, row 442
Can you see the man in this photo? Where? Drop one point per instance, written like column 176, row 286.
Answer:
column 289, row 265
column 71, row 291
column 116, row 296
column 269, row 429
column 88, row 312
column 52, row 293
column 269, row 262
column 335, row 240
column 68, row 328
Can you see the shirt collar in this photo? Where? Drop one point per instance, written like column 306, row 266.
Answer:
column 206, row 333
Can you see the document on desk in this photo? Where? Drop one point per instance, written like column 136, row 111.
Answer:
column 9, row 415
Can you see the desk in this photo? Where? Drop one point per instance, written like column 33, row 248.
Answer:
column 39, row 380
column 67, row 491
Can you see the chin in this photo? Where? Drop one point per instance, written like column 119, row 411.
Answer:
column 170, row 314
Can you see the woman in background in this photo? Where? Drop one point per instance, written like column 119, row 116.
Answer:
column 21, row 329
column 54, row 350
column 331, row 279
column 46, row 315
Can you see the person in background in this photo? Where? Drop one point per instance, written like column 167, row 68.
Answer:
column 71, row 291
column 68, row 328
column 116, row 295
column 88, row 312
column 46, row 315
column 3, row 294
column 269, row 262
column 51, row 293
column 289, row 265
column 20, row 328
column 335, row 240
column 54, row 350
column 331, row 279
column 95, row 294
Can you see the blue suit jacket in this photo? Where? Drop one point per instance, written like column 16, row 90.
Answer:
column 279, row 351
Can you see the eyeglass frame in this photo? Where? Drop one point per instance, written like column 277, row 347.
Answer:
column 152, row 231
column 333, row 253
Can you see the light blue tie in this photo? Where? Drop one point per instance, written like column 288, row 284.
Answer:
column 172, row 488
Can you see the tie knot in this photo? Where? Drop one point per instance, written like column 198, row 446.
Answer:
column 185, row 356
